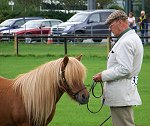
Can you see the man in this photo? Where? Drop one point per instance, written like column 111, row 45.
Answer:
column 143, row 25
column 123, row 66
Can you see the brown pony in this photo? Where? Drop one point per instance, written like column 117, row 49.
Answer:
column 30, row 99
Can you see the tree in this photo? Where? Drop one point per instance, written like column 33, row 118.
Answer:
column 71, row 4
column 5, row 10
column 147, row 8
column 137, row 7
column 103, row 3
column 80, row 4
column 30, row 4
column 4, row 5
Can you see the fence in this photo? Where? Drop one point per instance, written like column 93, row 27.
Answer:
column 64, row 38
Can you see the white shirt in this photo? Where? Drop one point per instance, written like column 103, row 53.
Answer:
column 131, row 21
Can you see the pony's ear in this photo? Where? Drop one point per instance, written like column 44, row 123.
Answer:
column 65, row 62
column 79, row 57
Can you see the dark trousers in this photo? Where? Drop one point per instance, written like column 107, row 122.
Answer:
column 144, row 33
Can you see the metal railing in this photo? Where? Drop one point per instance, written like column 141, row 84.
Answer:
column 16, row 39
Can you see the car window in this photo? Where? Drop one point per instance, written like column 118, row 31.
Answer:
column 32, row 24
column 45, row 24
column 19, row 23
column 81, row 17
column 104, row 16
column 7, row 23
column 94, row 18
column 55, row 23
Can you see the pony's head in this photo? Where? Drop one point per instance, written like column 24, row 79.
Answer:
column 72, row 75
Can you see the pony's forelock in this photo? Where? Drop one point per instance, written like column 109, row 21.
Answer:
column 75, row 71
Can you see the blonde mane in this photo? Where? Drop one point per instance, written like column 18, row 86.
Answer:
column 39, row 87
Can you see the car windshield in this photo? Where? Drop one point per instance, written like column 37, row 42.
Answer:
column 32, row 24
column 78, row 17
column 7, row 23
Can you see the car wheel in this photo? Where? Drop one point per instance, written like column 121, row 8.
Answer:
column 78, row 40
column 28, row 40
column 97, row 40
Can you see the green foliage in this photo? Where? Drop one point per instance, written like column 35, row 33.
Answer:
column 72, row 4
column 103, row 3
column 6, row 14
column 114, row 6
column 4, row 10
column 147, row 8
column 54, row 14
column 26, row 8
column 28, row 4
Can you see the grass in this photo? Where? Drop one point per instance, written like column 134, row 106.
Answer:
column 68, row 112
column 7, row 49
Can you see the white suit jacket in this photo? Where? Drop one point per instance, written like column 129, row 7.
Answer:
column 123, row 66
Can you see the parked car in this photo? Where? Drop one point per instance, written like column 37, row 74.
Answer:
column 35, row 27
column 15, row 22
column 87, row 23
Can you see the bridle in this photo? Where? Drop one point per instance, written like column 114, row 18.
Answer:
column 64, row 87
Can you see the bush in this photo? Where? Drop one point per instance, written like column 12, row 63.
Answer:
column 114, row 6
column 6, row 14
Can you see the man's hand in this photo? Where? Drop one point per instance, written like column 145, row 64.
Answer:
column 97, row 77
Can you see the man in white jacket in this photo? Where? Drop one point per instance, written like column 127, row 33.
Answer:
column 123, row 66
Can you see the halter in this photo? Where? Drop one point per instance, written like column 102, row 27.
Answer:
column 64, row 85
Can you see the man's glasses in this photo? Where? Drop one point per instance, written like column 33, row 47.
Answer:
column 110, row 26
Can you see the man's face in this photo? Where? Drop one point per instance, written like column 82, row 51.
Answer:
column 142, row 13
column 114, row 28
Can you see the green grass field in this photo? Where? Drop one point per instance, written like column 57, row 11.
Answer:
column 68, row 112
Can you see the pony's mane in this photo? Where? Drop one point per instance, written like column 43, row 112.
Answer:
column 39, row 87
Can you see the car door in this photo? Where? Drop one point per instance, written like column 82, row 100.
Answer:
column 103, row 28
column 92, row 23
column 18, row 23
column 96, row 24
column 45, row 27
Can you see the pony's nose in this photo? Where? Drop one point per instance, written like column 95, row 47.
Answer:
column 83, row 96
column 84, row 99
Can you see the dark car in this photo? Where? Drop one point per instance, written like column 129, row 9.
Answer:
column 87, row 23
column 15, row 22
